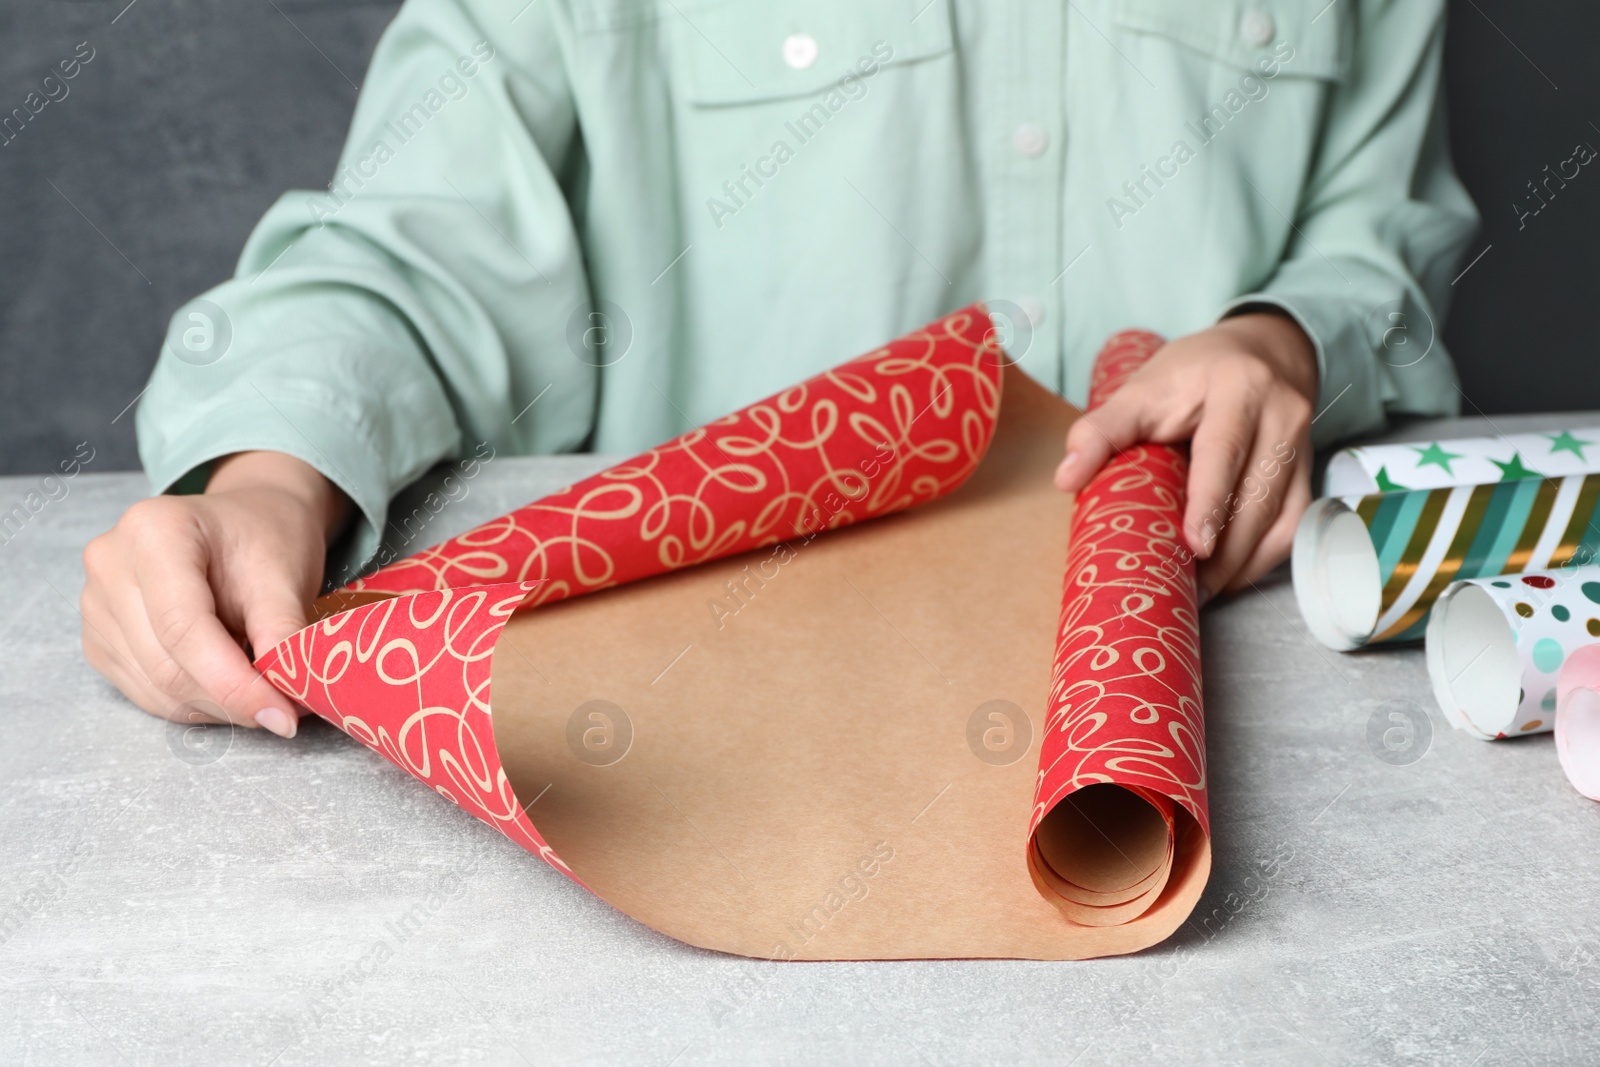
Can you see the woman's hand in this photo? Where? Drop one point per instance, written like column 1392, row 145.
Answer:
column 1242, row 392
column 182, row 584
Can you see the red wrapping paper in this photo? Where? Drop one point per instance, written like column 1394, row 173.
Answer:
column 409, row 676
column 899, row 426
column 908, row 423
column 1125, row 703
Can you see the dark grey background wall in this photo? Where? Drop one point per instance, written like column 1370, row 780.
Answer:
column 137, row 190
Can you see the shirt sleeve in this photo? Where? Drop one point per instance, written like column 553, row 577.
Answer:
column 416, row 308
column 1379, row 230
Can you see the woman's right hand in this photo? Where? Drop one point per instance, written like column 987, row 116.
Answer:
column 182, row 585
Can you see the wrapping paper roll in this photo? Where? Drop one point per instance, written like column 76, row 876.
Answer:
column 1495, row 647
column 1367, row 569
column 760, row 739
column 1578, row 720
column 1126, row 701
column 1463, row 461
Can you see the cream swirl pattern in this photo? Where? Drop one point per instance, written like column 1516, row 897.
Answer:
column 899, row 426
column 409, row 678
column 1126, row 703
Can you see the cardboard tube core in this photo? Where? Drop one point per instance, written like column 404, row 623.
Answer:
column 1473, row 660
column 1337, row 580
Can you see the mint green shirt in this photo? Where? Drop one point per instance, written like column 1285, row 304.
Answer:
column 573, row 224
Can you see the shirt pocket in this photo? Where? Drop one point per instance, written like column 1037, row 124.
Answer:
column 810, row 141
column 1242, row 89
column 1271, row 38
column 727, row 53
column 779, row 107
column 1199, row 139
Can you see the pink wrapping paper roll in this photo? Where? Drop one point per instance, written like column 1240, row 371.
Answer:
column 1578, row 720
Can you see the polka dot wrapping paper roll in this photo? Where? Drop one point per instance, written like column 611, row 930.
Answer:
column 1496, row 647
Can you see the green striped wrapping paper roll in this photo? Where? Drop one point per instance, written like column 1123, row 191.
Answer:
column 1367, row 569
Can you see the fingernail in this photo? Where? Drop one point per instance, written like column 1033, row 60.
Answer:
column 277, row 720
column 1065, row 467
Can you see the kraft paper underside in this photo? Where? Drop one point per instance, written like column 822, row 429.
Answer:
column 799, row 781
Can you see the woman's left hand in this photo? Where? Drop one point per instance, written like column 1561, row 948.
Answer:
column 1242, row 393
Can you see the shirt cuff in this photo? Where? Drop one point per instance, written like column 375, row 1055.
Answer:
column 1377, row 347
column 296, row 426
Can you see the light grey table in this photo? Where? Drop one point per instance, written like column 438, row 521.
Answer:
column 164, row 911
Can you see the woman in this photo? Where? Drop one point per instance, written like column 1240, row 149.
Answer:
column 595, row 223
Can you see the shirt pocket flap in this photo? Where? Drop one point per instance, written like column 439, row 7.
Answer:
column 745, row 51
column 1245, row 33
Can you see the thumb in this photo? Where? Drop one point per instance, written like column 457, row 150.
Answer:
column 272, row 615
column 1098, row 435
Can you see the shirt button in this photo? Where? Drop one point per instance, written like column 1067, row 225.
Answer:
column 1030, row 139
column 1256, row 28
column 799, row 50
column 1033, row 308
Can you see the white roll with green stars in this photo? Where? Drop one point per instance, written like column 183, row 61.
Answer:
column 1466, row 461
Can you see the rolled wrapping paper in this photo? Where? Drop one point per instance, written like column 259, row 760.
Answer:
column 1367, row 569
column 1125, row 704
column 1463, row 461
column 1578, row 720
column 1496, row 646
column 742, row 796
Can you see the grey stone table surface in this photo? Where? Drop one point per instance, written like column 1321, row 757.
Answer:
column 306, row 902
